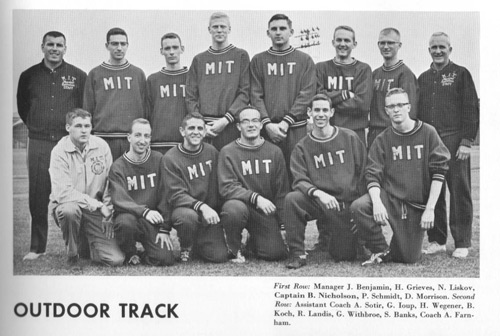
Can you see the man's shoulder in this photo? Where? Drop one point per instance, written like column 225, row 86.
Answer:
column 74, row 68
column 32, row 69
column 97, row 142
column 362, row 65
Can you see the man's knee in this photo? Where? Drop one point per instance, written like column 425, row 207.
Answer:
column 68, row 213
column 235, row 210
column 185, row 216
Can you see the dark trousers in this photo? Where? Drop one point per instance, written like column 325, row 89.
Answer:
column 458, row 180
column 118, row 146
column 408, row 236
column 130, row 229
column 264, row 230
column 299, row 209
column 229, row 134
column 39, row 191
column 205, row 239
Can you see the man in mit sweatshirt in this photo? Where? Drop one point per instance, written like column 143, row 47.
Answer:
column 115, row 94
column 136, row 194
column 218, row 83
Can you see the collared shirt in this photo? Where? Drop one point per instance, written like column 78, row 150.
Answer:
column 80, row 176
column 44, row 96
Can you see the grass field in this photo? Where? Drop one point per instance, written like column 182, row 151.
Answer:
column 319, row 264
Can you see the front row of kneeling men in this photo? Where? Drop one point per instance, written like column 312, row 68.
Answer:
column 210, row 197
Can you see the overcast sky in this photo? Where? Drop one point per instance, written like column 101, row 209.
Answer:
column 85, row 31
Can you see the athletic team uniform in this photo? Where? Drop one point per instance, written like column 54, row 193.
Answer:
column 79, row 183
column 449, row 102
column 384, row 79
column 335, row 166
column 402, row 165
column 44, row 96
column 190, row 180
column 166, row 92
column 282, row 86
column 135, row 190
column 245, row 173
column 336, row 80
column 218, row 86
column 115, row 95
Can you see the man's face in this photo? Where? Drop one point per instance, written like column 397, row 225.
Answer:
column 397, row 108
column 440, row 50
column 249, row 124
column 343, row 42
column 171, row 48
column 117, row 47
column 320, row 113
column 279, row 32
column 219, row 29
column 53, row 49
column 139, row 138
column 79, row 131
column 193, row 133
column 389, row 45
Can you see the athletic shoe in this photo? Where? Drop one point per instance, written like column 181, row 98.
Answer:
column 434, row 248
column 377, row 258
column 296, row 262
column 461, row 252
column 240, row 259
column 33, row 256
column 185, row 257
column 134, row 260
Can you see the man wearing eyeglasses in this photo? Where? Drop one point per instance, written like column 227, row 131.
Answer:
column 115, row 94
column 406, row 167
column 392, row 74
column 253, row 182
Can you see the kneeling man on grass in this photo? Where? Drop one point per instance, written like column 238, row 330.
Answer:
column 253, row 183
column 80, row 202
column 135, row 179
column 189, row 175
column 406, row 167
column 327, row 167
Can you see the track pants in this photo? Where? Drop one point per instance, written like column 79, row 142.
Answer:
column 130, row 229
column 264, row 230
column 206, row 240
column 406, row 243
column 300, row 208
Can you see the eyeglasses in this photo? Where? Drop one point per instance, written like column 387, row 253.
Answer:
column 116, row 44
column 389, row 43
column 393, row 107
column 246, row 122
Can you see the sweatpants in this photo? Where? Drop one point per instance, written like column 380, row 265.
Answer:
column 299, row 209
column 72, row 219
column 207, row 240
column 264, row 230
column 129, row 229
column 458, row 180
column 408, row 236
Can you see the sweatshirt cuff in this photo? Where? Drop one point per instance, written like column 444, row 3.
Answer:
column 466, row 142
column 197, row 205
column 265, row 121
column 373, row 185
column 345, row 95
column 253, row 199
column 438, row 177
column 311, row 191
column 289, row 119
column 145, row 212
column 229, row 117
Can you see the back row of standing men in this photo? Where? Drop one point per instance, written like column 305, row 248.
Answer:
column 279, row 82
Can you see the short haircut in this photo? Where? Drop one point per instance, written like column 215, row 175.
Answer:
column 218, row 15
column 345, row 28
column 277, row 17
column 138, row 121
column 395, row 91
column 437, row 34
column 189, row 116
column 77, row 113
column 170, row 36
column 244, row 108
column 389, row 30
column 53, row 34
column 321, row 96
column 115, row 31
